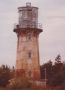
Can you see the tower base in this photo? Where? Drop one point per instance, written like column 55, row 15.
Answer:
column 25, row 74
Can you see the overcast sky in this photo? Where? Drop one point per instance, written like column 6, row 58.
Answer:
column 51, row 41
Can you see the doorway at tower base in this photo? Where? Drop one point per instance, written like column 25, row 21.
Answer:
column 34, row 75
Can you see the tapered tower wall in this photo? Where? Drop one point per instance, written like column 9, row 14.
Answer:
column 27, row 61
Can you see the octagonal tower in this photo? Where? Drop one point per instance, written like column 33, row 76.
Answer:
column 28, row 30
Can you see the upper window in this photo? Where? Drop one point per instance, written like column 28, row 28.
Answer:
column 29, row 36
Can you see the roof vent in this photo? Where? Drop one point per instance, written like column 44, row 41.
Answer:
column 28, row 4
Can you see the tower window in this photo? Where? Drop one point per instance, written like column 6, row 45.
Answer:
column 29, row 36
column 29, row 54
column 30, row 73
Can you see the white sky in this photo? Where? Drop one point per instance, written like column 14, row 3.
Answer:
column 51, row 41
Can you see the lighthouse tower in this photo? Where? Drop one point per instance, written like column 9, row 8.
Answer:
column 28, row 30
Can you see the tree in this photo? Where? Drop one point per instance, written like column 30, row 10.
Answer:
column 58, row 59
column 55, row 73
column 5, row 75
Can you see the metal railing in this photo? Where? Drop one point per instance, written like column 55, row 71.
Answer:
column 27, row 25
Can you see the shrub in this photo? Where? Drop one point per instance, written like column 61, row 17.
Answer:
column 19, row 83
